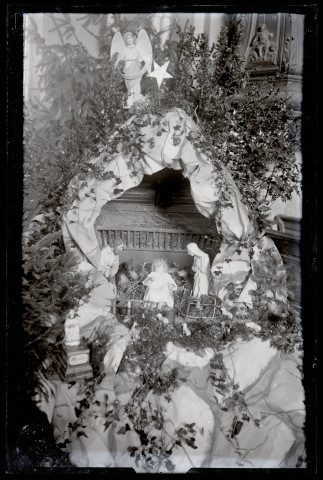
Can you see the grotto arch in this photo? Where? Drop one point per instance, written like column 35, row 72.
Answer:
column 169, row 142
column 158, row 218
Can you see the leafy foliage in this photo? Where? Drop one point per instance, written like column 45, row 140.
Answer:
column 145, row 355
column 59, row 142
column 97, row 344
column 247, row 123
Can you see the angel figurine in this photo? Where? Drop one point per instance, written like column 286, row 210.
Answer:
column 137, row 57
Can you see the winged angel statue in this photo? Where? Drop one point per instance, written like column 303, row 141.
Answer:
column 137, row 57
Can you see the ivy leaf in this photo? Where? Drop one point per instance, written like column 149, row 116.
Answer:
column 118, row 181
column 182, row 432
column 108, row 175
column 107, row 425
column 228, row 260
column 190, row 425
column 169, row 465
column 116, row 191
column 121, row 431
column 63, row 444
column 236, row 427
column 132, row 451
column 82, row 434
column 190, row 442
column 217, row 272
column 245, row 417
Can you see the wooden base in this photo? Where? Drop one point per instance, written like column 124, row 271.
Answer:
column 78, row 363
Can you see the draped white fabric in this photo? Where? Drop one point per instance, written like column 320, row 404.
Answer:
column 273, row 391
column 256, row 366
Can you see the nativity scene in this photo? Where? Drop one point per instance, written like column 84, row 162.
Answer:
column 176, row 341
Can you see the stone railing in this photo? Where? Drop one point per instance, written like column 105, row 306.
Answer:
column 161, row 239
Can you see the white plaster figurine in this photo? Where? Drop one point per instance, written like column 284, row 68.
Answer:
column 262, row 44
column 185, row 329
column 160, row 285
column 72, row 330
column 162, row 319
column 137, row 57
column 109, row 262
column 201, row 269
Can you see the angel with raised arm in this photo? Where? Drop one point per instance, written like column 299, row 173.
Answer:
column 137, row 57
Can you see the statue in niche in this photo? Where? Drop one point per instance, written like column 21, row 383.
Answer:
column 263, row 47
column 72, row 330
column 160, row 285
column 109, row 262
column 201, row 269
column 137, row 57
column 287, row 50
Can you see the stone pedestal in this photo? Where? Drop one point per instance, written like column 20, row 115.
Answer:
column 78, row 363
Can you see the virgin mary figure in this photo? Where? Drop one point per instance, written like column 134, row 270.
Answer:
column 201, row 269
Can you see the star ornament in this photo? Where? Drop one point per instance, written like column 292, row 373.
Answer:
column 160, row 73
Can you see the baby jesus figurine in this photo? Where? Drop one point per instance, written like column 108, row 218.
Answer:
column 160, row 285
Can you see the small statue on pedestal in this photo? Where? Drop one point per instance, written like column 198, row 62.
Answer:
column 261, row 44
column 72, row 330
column 160, row 285
column 201, row 269
column 78, row 355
